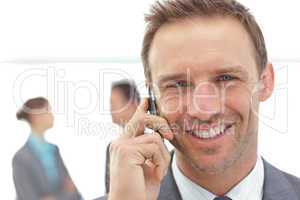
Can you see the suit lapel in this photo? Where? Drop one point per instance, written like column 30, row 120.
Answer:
column 276, row 186
column 169, row 189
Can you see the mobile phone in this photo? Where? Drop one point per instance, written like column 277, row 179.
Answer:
column 152, row 103
column 151, row 108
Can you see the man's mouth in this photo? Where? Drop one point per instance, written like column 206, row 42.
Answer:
column 210, row 132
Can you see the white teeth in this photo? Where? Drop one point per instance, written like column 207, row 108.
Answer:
column 222, row 127
column 210, row 133
column 218, row 129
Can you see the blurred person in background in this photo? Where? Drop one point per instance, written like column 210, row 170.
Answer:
column 124, row 101
column 39, row 172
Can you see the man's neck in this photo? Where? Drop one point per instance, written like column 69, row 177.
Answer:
column 222, row 182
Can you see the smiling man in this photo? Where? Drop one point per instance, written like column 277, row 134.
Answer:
column 206, row 63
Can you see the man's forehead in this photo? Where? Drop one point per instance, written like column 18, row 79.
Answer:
column 221, row 43
column 198, row 29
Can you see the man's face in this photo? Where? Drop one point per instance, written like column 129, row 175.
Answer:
column 121, row 109
column 204, row 73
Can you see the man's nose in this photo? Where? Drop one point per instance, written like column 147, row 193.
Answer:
column 205, row 101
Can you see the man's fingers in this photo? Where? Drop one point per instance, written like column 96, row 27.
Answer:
column 154, row 138
column 141, row 119
column 146, row 148
column 143, row 106
column 152, row 153
column 159, row 124
column 135, row 126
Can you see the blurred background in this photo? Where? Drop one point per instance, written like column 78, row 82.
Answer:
column 71, row 51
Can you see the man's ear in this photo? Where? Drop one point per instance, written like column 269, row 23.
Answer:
column 267, row 82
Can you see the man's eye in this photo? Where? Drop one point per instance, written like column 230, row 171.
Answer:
column 178, row 84
column 225, row 78
column 181, row 84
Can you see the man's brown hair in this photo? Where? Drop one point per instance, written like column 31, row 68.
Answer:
column 174, row 10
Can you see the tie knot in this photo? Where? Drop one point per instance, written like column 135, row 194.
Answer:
column 222, row 198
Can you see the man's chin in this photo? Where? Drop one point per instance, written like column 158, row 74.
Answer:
column 211, row 163
column 211, row 167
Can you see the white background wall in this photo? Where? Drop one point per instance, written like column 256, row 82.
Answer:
column 63, row 49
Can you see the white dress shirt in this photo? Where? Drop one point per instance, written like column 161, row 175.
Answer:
column 250, row 188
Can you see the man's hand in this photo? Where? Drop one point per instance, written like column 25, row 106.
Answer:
column 139, row 161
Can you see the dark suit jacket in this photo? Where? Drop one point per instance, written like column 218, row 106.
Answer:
column 30, row 179
column 107, row 162
column 278, row 185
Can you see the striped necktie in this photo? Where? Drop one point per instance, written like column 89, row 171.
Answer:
column 222, row 198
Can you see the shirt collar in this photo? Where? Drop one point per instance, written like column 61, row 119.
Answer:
column 251, row 187
column 39, row 145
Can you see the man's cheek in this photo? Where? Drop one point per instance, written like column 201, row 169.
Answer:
column 170, row 105
column 169, row 109
column 237, row 98
column 239, row 102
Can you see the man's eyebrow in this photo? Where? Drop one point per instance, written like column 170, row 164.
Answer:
column 231, row 69
column 237, row 69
